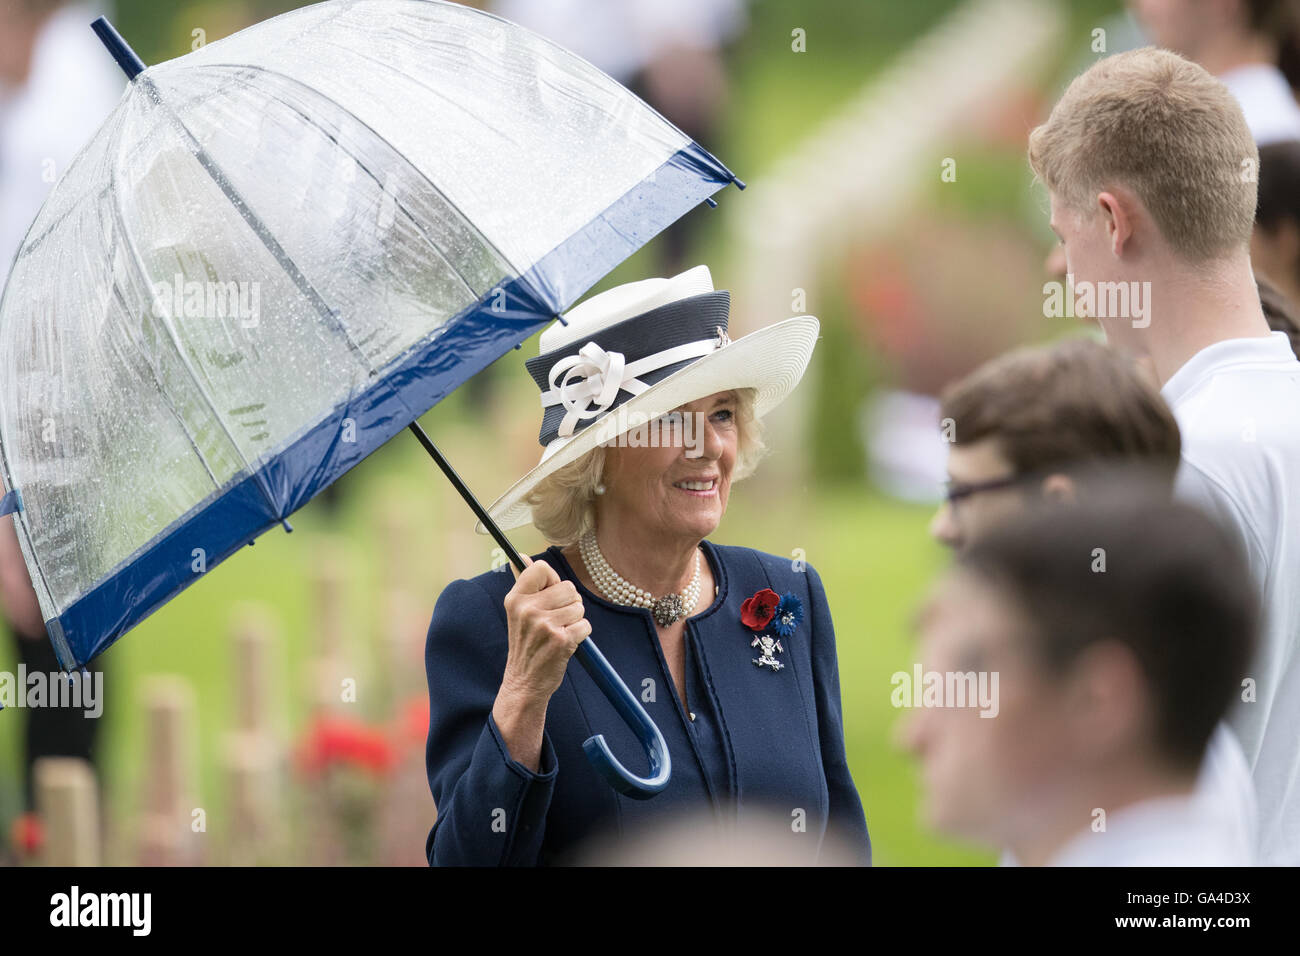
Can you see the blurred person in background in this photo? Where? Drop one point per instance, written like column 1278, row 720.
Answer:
column 1034, row 430
column 732, row 650
column 1279, row 312
column 669, row 52
column 1252, row 46
column 700, row 839
column 1142, row 159
column 1275, row 241
column 1111, row 681
column 57, row 85
column 1027, row 428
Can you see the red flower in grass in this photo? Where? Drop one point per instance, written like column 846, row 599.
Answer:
column 27, row 834
column 336, row 740
column 413, row 725
column 756, row 612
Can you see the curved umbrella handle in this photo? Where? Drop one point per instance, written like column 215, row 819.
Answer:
column 630, row 709
column 606, row 678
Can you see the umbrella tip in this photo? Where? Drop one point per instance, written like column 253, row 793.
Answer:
column 131, row 64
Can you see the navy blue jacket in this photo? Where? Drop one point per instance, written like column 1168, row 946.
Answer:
column 768, row 739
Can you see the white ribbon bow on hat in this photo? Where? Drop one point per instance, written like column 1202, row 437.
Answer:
column 595, row 374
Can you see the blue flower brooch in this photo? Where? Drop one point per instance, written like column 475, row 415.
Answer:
column 773, row 617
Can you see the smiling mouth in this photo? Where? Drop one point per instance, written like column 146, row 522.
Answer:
column 698, row 488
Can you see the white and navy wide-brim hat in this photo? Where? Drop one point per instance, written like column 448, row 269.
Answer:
column 639, row 351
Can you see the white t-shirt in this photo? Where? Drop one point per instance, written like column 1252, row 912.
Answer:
column 1270, row 107
column 1226, row 798
column 1163, row 831
column 1238, row 407
column 1226, row 789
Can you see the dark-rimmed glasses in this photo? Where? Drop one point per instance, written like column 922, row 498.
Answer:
column 954, row 491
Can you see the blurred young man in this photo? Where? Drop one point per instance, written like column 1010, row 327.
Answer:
column 1025, row 429
column 1250, row 45
column 1036, row 430
column 1275, row 243
column 1150, row 170
column 1118, row 629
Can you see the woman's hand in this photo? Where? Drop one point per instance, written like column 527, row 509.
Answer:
column 545, row 622
column 546, row 625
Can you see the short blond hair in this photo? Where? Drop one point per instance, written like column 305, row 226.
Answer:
column 563, row 502
column 1162, row 126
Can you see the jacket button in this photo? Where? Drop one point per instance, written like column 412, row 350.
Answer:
column 692, row 716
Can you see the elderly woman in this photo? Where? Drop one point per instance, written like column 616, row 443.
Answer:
column 650, row 413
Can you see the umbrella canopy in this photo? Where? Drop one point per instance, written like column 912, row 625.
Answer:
column 280, row 250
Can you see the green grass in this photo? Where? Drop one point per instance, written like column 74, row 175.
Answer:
column 877, row 565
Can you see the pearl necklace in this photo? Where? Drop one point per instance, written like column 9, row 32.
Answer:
column 667, row 609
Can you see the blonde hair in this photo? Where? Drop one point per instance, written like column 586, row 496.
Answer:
column 1161, row 125
column 563, row 503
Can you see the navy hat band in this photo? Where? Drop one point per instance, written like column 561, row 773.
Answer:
column 582, row 382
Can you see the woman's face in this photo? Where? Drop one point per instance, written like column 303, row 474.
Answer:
column 672, row 477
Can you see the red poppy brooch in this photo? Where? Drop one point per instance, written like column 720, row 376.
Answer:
column 773, row 617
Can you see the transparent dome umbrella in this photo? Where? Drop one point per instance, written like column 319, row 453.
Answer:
column 278, row 252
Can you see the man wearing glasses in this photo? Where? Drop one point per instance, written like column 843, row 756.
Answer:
column 1043, row 428
column 1027, row 429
